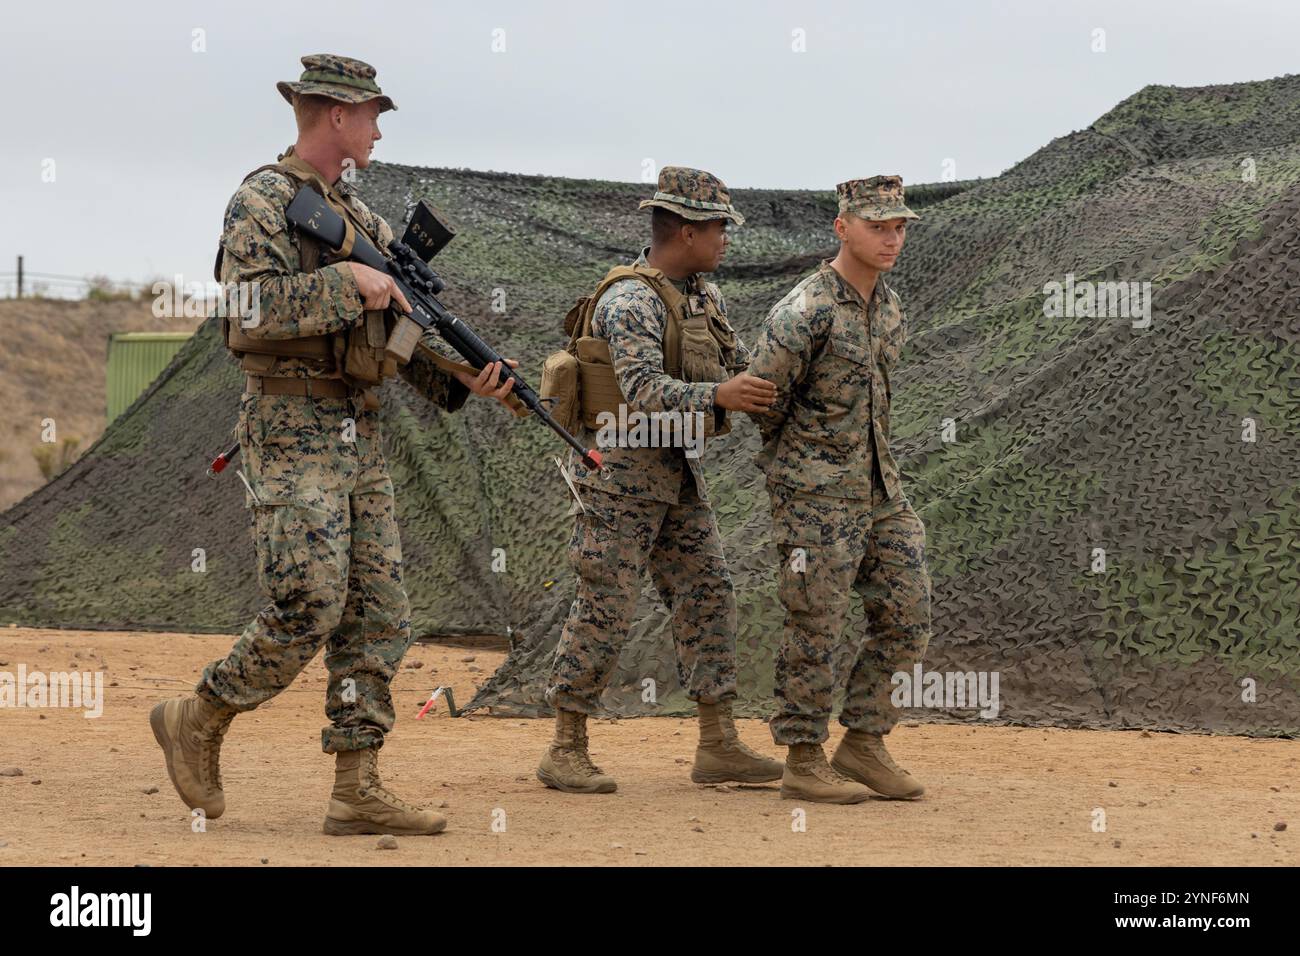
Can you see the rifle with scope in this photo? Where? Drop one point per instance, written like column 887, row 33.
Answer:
column 407, row 263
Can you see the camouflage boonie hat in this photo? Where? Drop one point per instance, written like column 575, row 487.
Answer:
column 338, row 77
column 878, row 198
column 693, row 194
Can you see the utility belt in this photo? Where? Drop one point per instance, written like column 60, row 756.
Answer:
column 308, row 388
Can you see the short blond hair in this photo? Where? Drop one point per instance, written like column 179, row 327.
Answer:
column 310, row 108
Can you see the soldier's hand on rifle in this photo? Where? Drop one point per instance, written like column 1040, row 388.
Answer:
column 378, row 290
column 745, row 393
column 483, row 384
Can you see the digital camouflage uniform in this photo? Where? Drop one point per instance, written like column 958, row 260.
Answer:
column 649, row 507
column 839, row 516
column 324, row 526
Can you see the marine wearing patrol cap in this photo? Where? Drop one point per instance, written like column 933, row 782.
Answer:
column 693, row 194
column 339, row 78
column 830, row 348
column 878, row 198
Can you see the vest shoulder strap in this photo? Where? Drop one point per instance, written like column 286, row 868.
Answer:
column 672, row 299
column 278, row 167
column 286, row 171
column 675, row 304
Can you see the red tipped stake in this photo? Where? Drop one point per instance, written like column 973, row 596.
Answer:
column 593, row 459
column 433, row 698
column 221, row 461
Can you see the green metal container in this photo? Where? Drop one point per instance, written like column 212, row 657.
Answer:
column 134, row 361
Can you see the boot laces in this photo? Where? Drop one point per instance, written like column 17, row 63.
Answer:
column 210, row 736
column 730, row 737
column 875, row 747
column 373, row 786
column 740, row 747
column 822, row 768
column 582, row 758
column 831, row 775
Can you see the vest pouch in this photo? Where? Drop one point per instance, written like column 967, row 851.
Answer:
column 402, row 339
column 703, row 339
column 701, row 355
column 597, row 383
column 723, row 332
column 363, row 362
column 560, row 389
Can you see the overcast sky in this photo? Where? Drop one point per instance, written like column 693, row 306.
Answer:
column 149, row 137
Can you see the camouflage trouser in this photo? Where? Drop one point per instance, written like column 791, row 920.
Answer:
column 827, row 546
column 612, row 543
column 329, row 563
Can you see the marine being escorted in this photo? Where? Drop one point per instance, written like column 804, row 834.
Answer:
column 654, row 341
column 839, row 516
column 324, row 524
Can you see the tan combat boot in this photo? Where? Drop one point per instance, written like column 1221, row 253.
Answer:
column 809, row 777
column 190, row 730
column 721, row 757
column 863, row 757
column 361, row 804
column 566, row 765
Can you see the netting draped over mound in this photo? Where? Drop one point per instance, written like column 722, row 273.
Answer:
column 1074, row 435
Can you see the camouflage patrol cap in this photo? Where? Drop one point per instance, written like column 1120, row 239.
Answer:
column 693, row 194
column 878, row 198
column 339, row 78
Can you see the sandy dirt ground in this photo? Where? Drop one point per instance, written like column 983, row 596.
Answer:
column 95, row 791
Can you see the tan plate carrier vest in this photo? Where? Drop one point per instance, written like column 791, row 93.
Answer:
column 357, row 353
column 580, row 381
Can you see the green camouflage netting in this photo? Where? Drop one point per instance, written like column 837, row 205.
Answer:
column 1073, row 433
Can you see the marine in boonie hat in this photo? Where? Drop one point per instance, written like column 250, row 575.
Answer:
column 339, row 78
column 878, row 198
column 693, row 194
